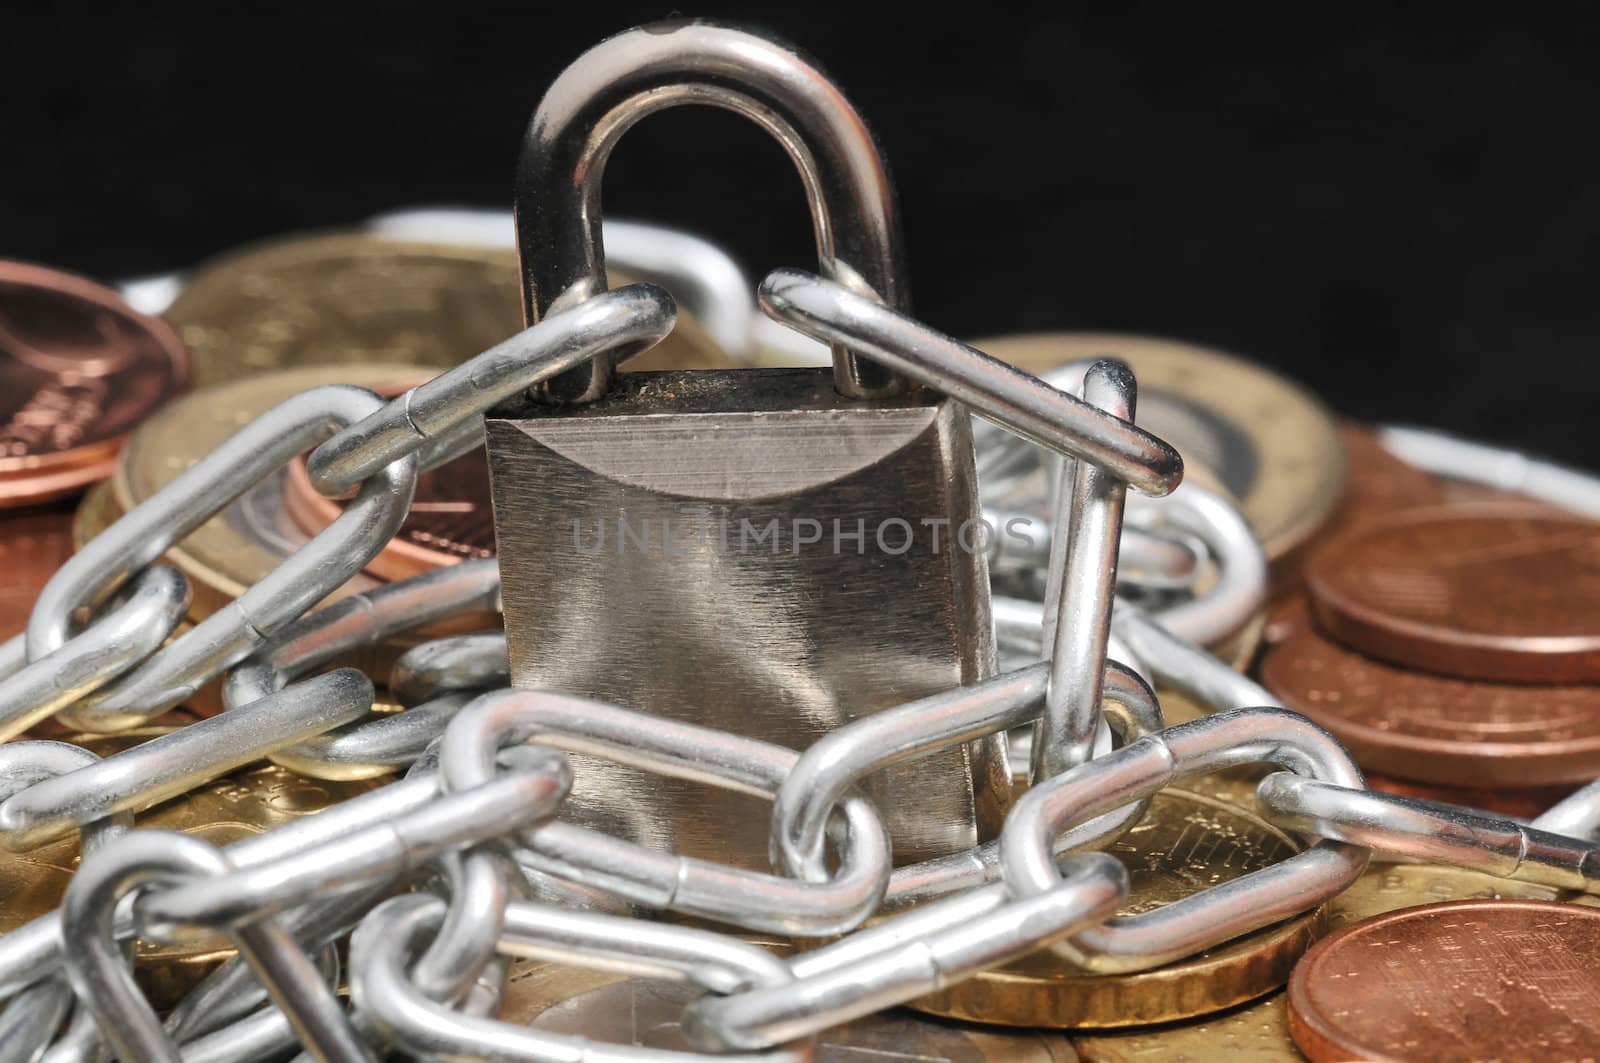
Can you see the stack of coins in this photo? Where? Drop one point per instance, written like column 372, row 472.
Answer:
column 1448, row 639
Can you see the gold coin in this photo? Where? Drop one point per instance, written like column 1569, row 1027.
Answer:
column 1272, row 444
column 1186, row 843
column 1389, row 887
column 1260, row 1032
column 1255, row 1033
column 358, row 299
column 249, row 802
column 612, row 1008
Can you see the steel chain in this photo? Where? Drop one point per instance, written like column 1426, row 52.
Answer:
column 475, row 823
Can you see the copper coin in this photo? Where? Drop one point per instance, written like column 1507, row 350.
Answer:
column 78, row 369
column 1507, row 593
column 1286, row 614
column 1504, row 980
column 33, row 544
column 1376, row 484
column 1454, row 732
column 451, row 520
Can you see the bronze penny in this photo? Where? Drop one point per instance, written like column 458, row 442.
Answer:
column 1453, row 732
column 1286, row 615
column 1376, row 484
column 33, row 544
column 1507, row 980
column 1483, row 592
column 79, row 368
column 1379, row 483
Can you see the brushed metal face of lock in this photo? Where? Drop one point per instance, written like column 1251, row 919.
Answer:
column 747, row 550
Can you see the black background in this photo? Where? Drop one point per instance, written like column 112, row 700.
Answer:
column 1400, row 211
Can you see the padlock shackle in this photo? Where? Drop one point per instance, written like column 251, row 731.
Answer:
column 619, row 81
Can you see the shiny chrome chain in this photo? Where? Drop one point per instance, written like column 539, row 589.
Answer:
column 451, row 872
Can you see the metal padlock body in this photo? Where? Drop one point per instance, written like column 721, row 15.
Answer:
column 746, row 549
column 749, row 550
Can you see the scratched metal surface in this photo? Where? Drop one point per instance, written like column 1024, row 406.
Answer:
column 776, row 639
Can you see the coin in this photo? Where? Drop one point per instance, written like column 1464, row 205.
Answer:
column 1273, row 445
column 1185, row 843
column 1481, row 592
column 79, row 368
column 364, row 299
column 1286, row 615
column 1258, row 1032
column 249, row 802
column 33, row 544
column 1376, row 484
column 1384, row 888
column 1462, row 980
column 611, row 1008
column 96, row 512
column 1452, row 732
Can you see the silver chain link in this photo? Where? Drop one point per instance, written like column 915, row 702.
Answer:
column 448, row 874
column 480, row 808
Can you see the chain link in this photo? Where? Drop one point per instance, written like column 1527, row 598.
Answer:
column 477, row 817
column 126, row 634
column 445, row 876
column 440, row 419
column 199, row 493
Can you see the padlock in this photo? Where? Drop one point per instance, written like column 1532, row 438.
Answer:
column 773, row 552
